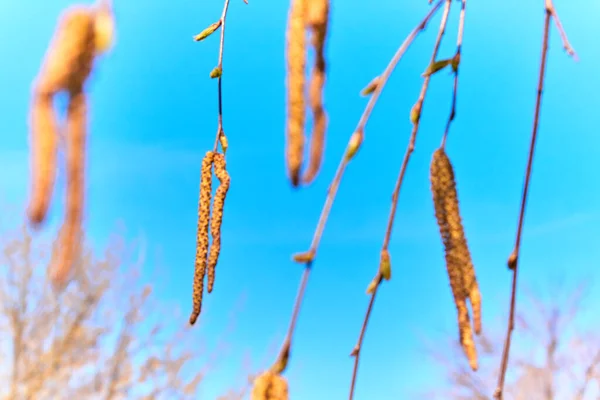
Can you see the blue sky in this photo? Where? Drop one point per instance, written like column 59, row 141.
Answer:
column 153, row 116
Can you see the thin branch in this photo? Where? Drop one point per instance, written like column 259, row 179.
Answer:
column 455, row 67
column 396, row 193
column 551, row 347
column 513, row 260
column 353, row 145
column 220, row 68
column 589, row 374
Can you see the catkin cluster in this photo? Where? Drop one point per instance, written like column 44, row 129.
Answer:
column 314, row 16
column 82, row 33
column 207, row 257
column 270, row 386
column 458, row 258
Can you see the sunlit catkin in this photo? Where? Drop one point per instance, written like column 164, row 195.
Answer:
column 458, row 258
column 317, row 20
column 202, row 235
column 270, row 386
column 217, row 217
column 43, row 144
column 66, row 66
column 70, row 236
column 296, row 64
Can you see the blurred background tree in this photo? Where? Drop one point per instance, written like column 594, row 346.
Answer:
column 104, row 337
column 557, row 352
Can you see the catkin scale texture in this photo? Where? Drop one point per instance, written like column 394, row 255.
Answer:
column 202, row 235
column 296, row 64
column 460, row 268
column 317, row 20
column 270, row 386
column 217, row 217
column 70, row 235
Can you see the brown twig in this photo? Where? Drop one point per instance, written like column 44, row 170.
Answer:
column 455, row 67
column 353, row 145
column 513, row 260
column 396, row 193
column 219, row 83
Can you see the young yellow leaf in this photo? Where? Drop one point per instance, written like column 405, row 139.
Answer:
column 354, row 145
column 455, row 62
column 385, row 265
column 372, row 286
column 304, row 258
column 216, row 73
column 415, row 113
column 208, row 31
column 371, row 87
column 437, row 66
column 223, row 141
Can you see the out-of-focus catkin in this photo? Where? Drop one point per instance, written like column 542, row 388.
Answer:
column 317, row 20
column 202, row 234
column 43, row 143
column 270, row 386
column 217, row 217
column 66, row 66
column 458, row 258
column 296, row 64
column 70, row 235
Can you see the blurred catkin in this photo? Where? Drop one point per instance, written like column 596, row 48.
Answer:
column 270, row 386
column 202, row 234
column 71, row 231
column 458, row 258
column 66, row 66
column 217, row 217
column 317, row 20
column 296, row 64
column 43, row 142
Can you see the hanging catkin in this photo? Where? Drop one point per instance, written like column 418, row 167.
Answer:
column 202, row 235
column 217, row 217
column 71, row 231
column 317, row 20
column 66, row 66
column 270, row 386
column 458, row 258
column 296, row 64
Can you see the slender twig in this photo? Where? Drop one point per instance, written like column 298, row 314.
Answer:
column 513, row 260
column 589, row 374
column 220, row 67
column 355, row 141
column 396, row 193
column 455, row 67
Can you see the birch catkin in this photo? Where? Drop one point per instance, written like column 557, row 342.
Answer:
column 202, row 235
column 71, row 231
column 270, row 386
column 217, row 217
column 43, row 143
column 458, row 258
column 317, row 20
column 296, row 64
column 66, row 66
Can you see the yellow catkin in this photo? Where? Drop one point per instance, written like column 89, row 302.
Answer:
column 296, row 64
column 66, row 66
column 317, row 20
column 43, row 143
column 217, row 217
column 202, row 235
column 270, row 386
column 70, row 236
column 458, row 258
